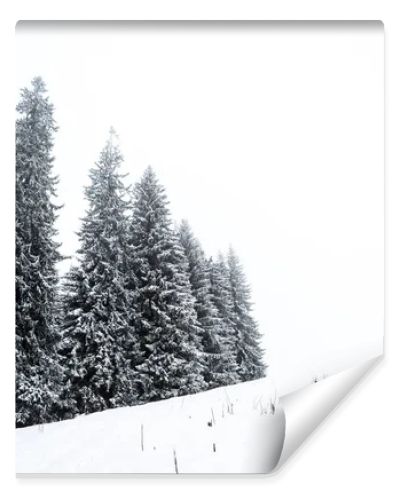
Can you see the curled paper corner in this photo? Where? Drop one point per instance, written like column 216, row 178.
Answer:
column 304, row 410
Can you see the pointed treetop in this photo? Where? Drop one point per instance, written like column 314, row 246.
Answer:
column 150, row 184
column 185, row 232
column 185, row 226
column 38, row 84
column 111, row 156
column 232, row 256
column 149, row 174
column 34, row 104
column 112, row 134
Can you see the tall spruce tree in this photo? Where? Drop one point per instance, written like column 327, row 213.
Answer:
column 97, row 331
column 249, row 352
column 37, row 254
column 219, row 356
column 170, row 361
column 221, row 297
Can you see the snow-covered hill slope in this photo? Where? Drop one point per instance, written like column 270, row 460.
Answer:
column 230, row 429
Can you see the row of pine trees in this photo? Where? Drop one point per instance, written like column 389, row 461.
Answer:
column 143, row 315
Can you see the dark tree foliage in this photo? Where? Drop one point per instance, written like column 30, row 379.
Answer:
column 36, row 256
column 142, row 315
column 97, row 331
column 170, row 361
column 218, row 348
column 249, row 353
column 222, row 299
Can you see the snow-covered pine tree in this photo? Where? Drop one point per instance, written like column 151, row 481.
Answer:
column 221, row 368
column 71, row 347
column 249, row 352
column 97, row 331
column 37, row 253
column 220, row 294
column 171, row 361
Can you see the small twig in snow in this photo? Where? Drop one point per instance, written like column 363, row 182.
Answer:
column 212, row 415
column 175, row 463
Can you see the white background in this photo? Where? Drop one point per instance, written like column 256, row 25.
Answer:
column 350, row 456
column 268, row 137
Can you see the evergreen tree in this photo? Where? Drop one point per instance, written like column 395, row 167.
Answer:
column 221, row 298
column 97, row 331
column 221, row 368
column 170, row 361
column 37, row 254
column 249, row 352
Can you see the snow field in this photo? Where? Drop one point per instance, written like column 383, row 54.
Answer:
column 231, row 429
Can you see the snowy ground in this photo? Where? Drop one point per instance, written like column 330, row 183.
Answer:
column 231, row 429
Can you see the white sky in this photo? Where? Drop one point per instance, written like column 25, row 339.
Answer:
column 268, row 137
